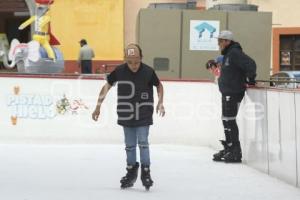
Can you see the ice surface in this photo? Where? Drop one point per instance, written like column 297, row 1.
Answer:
column 93, row 172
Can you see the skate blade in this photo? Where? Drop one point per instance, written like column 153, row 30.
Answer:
column 129, row 185
column 233, row 161
column 147, row 186
column 126, row 186
column 218, row 160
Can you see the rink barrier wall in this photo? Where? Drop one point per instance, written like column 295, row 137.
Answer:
column 31, row 114
column 271, row 142
column 34, row 110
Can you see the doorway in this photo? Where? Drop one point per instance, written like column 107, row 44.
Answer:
column 12, row 14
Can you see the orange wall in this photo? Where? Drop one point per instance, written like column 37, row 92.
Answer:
column 101, row 22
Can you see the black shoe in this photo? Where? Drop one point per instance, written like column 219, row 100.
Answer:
column 220, row 155
column 131, row 176
column 146, row 177
column 234, row 155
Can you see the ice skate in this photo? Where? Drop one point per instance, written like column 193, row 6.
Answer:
column 131, row 176
column 146, row 177
column 220, row 155
column 234, row 154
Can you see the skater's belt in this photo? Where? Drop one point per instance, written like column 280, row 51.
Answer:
column 228, row 118
column 40, row 33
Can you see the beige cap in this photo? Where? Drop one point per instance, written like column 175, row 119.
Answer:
column 132, row 51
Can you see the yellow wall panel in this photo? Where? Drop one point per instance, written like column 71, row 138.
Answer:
column 101, row 22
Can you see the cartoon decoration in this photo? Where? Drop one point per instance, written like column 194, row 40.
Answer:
column 37, row 56
column 64, row 106
column 14, row 118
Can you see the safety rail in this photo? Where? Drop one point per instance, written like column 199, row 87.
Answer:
column 280, row 83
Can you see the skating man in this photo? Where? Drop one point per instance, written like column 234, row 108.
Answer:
column 237, row 71
column 135, row 109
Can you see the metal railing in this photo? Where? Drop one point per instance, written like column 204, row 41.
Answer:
column 280, row 82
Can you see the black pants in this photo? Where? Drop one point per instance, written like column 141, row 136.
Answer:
column 86, row 66
column 230, row 108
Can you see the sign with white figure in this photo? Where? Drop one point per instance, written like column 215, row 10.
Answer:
column 203, row 35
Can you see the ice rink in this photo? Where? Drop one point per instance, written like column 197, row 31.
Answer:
column 92, row 172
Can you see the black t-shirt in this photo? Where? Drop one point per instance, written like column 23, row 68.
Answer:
column 135, row 94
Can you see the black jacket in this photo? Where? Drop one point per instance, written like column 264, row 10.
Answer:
column 237, row 70
column 135, row 94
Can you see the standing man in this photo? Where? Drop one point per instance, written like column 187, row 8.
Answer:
column 237, row 71
column 86, row 54
column 135, row 109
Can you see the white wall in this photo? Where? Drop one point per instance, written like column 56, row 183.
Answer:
column 272, row 139
column 297, row 100
column 270, row 136
column 285, row 13
column 282, row 138
column 254, row 130
column 192, row 113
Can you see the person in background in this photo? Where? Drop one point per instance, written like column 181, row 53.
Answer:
column 86, row 54
column 214, row 66
column 135, row 109
column 237, row 70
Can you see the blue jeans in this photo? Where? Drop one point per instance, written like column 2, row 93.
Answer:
column 134, row 136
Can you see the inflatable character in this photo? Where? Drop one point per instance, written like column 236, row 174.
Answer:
column 42, row 33
column 31, row 58
column 38, row 55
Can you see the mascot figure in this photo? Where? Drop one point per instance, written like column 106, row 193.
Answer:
column 42, row 33
column 39, row 55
